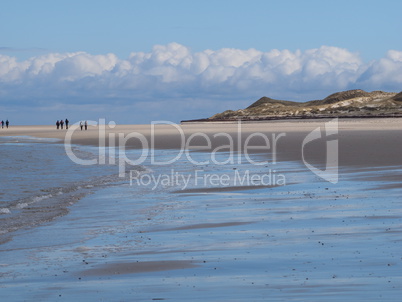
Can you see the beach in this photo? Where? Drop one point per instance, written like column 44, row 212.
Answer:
column 361, row 141
column 266, row 211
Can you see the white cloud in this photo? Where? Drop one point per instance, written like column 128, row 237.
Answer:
column 80, row 65
column 11, row 70
column 386, row 72
column 173, row 71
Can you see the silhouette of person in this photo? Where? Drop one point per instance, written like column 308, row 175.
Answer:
column 2, row 124
column 61, row 124
column 7, row 123
column 57, row 124
column 81, row 125
column 66, row 123
column 86, row 125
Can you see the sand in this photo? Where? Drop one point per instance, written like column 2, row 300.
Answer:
column 362, row 142
column 137, row 267
column 309, row 240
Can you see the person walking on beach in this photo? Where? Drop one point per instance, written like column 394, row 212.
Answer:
column 81, row 125
column 67, row 123
column 7, row 123
column 2, row 124
column 86, row 125
column 57, row 124
column 61, row 124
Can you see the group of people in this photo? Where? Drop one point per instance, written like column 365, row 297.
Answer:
column 84, row 124
column 5, row 123
column 60, row 124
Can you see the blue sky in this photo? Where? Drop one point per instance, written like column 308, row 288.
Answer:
column 138, row 61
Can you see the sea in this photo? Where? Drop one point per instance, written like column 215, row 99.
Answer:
column 243, row 230
column 40, row 181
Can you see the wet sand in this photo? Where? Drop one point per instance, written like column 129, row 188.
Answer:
column 137, row 267
column 362, row 142
column 307, row 240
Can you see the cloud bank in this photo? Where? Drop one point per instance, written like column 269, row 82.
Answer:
column 172, row 73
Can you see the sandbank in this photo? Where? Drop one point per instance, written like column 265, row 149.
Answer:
column 361, row 142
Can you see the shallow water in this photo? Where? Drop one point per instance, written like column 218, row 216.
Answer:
column 39, row 182
column 305, row 239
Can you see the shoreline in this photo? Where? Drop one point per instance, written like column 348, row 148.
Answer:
column 361, row 142
column 304, row 240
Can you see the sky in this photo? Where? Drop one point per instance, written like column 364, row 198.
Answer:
column 134, row 62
